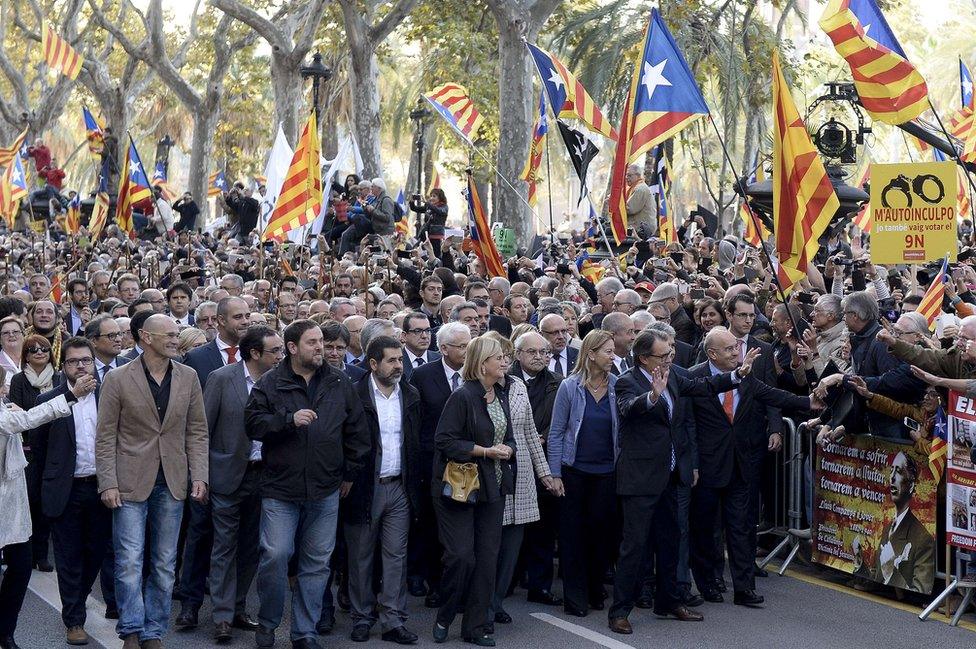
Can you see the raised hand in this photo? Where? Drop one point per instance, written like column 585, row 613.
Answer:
column 860, row 386
column 746, row 366
column 886, row 337
column 660, row 382
column 931, row 379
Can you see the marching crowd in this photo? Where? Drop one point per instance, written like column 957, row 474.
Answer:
column 385, row 420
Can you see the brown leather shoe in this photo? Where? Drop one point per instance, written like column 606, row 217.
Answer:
column 153, row 643
column 76, row 635
column 131, row 641
column 621, row 625
column 685, row 614
column 222, row 632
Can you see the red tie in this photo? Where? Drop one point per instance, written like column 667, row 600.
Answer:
column 728, row 400
column 231, row 355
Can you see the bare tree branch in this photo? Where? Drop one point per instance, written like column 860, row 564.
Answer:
column 268, row 30
column 378, row 33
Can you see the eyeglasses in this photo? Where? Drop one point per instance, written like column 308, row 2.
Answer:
column 419, row 332
column 12, row 334
column 276, row 351
column 556, row 332
column 662, row 357
column 456, row 346
column 38, row 350
column 537, row 352
column 112, row 336
column 79, row 362
column 335, row 348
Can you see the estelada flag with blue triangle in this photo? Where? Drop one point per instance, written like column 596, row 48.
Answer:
column 481, row 239
column 72, row 222
column 159, row 180
column 94, row 132
column 133, row 189
column 890, row 88
column 216, row 184
column 403, row 225
column 965, row 84
column 664, row 98
column 939, row 444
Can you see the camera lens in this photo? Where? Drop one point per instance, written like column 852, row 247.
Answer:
column 833, row 139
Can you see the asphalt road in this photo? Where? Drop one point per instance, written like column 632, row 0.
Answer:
column 800, row 612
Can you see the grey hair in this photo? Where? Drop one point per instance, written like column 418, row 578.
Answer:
column 920, row 323
column 336, row 303
column 566, row 304
column 630, row 296
column 643, row 319
column 831, row 303
column 713, row 333
column 610, row 284
column 237, row 279
column 863, row 305
column 449, row 331
column 519, row 344
column 378, row 182
column 663, row 326
column 549, row 306
column 500, row 283
column 614, row 322
column 202, row 306
column 374, row 327
column 458, row 308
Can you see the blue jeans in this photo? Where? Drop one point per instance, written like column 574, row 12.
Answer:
column 312, row 525
column 145, row 609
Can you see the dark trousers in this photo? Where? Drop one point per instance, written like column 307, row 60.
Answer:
column 471, row 536
column 733, row 501
column 81, row 535
column 424, row 547
column 40, row 526
column 196, row 554
column 539, row 547
column 234, row 559
column 106, row 576
column 586, row 517
column 644, row 518
column 13, row 588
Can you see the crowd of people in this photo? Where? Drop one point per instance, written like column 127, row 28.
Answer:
column 364, row 420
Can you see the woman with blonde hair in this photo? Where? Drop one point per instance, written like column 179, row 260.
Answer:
column 520, row 329
column 582, row 453
column 11, row 345
column 522, row 506
column 190, row 339
column 475, row 427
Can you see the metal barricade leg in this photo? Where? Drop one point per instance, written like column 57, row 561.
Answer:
column 962, row 606
column 795, row 511
column 931, row 608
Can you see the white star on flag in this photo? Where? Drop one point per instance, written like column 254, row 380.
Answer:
column 967, row 86
column 555, row 79
column 654, row 77
column 17, row 177
column 134, row 168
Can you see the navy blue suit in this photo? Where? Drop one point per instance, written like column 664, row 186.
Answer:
column 429, row 356
column 205, row 359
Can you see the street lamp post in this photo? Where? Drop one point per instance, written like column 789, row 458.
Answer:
column 420, row 116
column 319, row 73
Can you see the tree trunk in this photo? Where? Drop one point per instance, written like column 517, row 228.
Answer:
column 204, row 124
column 364, row 85
column 515, row 116
column 287, row 84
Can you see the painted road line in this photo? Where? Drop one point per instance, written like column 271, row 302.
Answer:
column 582, row 631
column 102, row 631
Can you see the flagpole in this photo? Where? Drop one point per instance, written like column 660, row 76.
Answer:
column 552, row 228
column 955, row 153
column 755, row 223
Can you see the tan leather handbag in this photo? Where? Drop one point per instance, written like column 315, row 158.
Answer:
column 461, row 482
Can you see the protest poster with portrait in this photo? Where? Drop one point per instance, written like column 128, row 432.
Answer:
column 874, row 512
column 961, row 473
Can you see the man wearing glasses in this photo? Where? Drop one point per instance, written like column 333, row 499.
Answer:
column 65, row 453
column 416, row 343
column 235, row 477
column 106, row 339
column 152, row 443
column 555, row 330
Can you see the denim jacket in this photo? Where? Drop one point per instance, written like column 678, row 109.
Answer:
column 567, row 416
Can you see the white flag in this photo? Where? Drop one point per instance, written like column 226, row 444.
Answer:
column 275, row 172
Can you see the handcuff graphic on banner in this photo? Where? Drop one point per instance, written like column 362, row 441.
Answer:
column 901, row 183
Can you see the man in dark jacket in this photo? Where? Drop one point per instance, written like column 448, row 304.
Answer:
column 315, row 439
column 376, row 514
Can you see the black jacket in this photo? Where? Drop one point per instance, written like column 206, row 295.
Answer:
column 464, row 424
column 684, row 326
column 307, row 462
column 356, row 507
column 55, row 452
column 542, row 395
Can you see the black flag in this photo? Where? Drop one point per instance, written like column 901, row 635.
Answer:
column 581, row 152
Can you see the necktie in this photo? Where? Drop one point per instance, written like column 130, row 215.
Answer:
column 231, row 355
column 742, row 349
column 559, row 365
column 728, row 400
column 105, row 370
column 455, row 380
column 418, row 361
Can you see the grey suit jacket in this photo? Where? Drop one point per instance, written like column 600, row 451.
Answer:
column 224, row 398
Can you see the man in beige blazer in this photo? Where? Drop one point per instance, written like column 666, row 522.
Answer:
column 151, row 442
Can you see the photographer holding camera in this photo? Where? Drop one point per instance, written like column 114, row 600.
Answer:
column 435, row 217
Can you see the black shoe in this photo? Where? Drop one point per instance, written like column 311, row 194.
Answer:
column 325, row 625
column 644, row 601
column 691, row 600
column 490, row 628
column 712, row 595
column 244, row 622
column 481, row 640
column 544, row 597
column 416, row 588
column 720, row 586
column 187, row 619
column 222, row 632
column 400, row 635
column 502, row 617
column 43, row 565
column 760, row 572
column 440, row 633
column 111, row 613
column 7, row 642
column 360, row 633
column 596, row 604
column 748, row 598
column 572, row 610
column 433, row 600
column 306, row 643
column 264, row 637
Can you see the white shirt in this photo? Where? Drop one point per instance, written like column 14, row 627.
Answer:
column 185, row 320
column 100, row 366
column 448, row 372
column 391, row 429
column 255, row 445
column 223, row 347
column 563, row 359
column 85, row 414
column 412, row 358
column 735, row 393
column 619, row 364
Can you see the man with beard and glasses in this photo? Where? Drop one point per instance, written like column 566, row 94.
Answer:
column 376, row 514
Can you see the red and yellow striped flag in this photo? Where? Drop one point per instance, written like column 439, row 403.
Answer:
column 863, row 217
column 7, row 153
column 530, row 174
column 803, row 197
column 481, row 239
column 301, row 194
column 72, row 222
column 59, row 54
column 99, row 215
column 435, row 180
column 962, row 195
column 931, row 304
column 890, row 88
column 451, row 101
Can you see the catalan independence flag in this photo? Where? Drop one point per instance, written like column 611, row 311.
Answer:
column 484, row 243
column 403, row 225
column 939, row 445
column 663, row 99
column 159, row 180
column 754, row 237
column 216, row 184
column 59, row 54
column 452, row 102
column 567, row 96
column 13, row 189
column 435, row 180
column 891, row 89
column 94, row 132
column 7, row 154
column 300, row 199
column 133, row 188
column 532, row 166
column 72, row 222
column 863, row 217
column 804, row 200
column 99, row 215
column 931, row 304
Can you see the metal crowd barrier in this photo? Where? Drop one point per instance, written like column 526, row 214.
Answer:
column 793, row 536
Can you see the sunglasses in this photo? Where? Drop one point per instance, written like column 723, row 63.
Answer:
column 38, row 350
